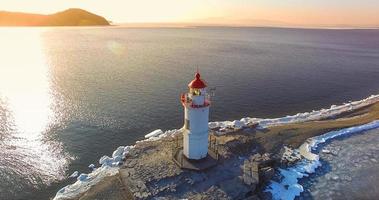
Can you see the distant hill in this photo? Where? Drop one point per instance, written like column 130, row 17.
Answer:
column 70, row 17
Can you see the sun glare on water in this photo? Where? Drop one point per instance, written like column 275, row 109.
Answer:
column 23, row 83
column 25, row 95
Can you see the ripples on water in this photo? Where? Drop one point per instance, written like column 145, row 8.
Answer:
column 27, row 160
column 69, row 95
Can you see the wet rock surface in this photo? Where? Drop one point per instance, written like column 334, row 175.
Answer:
column 350, row 169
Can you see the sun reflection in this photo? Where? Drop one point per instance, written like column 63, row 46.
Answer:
column 25, row 89
column 23, row 81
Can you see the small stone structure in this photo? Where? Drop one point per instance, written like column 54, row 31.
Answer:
column 288, row 156
column 257, row 170
column 250, row 174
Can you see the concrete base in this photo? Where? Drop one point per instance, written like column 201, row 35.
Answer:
column 198, row 165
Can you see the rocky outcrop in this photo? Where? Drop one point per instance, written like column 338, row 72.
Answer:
column 150, row 172
column 70, row 17
column 258, row 170
column 288, row 156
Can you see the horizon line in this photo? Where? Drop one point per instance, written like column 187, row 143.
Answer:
column 236, row 25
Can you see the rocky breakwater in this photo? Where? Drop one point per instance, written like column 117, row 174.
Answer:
column 149, row 171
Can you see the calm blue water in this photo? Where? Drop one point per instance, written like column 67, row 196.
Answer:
column 105, row 87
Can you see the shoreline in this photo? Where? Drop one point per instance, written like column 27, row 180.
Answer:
column 236, row 135
column 349, row 166
column 287, row 187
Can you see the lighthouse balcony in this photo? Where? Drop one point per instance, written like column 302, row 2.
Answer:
column 191, row 101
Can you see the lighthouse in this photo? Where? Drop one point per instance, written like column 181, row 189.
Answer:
column 196, row 104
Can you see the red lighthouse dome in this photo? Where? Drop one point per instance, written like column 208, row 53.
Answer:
column 197, row 83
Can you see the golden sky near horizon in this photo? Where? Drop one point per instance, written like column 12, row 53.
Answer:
column 295, row 12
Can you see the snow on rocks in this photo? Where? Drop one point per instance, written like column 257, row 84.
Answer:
column 159, row 134
column 118, row 151
column 105, row 160
column 85, row 182
column 224, row 127
column 82, row 177
column 213, row 125
column 109, row 167
column 287, row 188
column 320, row 114
column 238, row 124
column 300, row 117
column 326, row 151
column 154, row 133
column 75, row 174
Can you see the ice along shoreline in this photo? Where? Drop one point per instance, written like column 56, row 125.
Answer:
column 287, row 187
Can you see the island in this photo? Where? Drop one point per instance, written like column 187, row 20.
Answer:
column 69, row 17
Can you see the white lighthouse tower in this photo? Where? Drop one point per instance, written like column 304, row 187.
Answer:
column 196, row 116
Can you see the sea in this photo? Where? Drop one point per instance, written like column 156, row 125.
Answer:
column 348, row 171
column 69, row 95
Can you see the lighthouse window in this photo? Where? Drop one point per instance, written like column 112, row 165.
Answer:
column 196, row 92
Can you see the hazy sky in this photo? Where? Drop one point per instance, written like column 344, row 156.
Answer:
column 297, row 12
